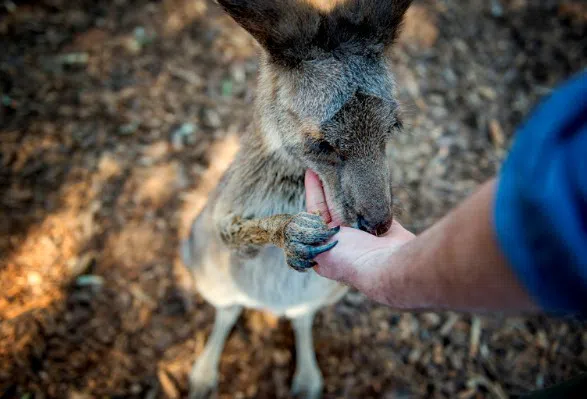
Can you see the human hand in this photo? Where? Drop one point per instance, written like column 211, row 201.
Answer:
column 359, row 259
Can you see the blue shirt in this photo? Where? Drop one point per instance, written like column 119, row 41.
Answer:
column 540, row 211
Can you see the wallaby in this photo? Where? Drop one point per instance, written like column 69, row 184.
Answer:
column 325, row 101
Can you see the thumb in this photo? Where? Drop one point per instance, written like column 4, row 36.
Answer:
column 315, row 197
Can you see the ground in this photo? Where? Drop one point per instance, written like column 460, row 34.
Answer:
column 117, row 118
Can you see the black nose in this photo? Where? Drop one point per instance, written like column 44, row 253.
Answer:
column 377, row 229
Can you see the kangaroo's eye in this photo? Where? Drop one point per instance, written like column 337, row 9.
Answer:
column 321, row 147
column 324, row 146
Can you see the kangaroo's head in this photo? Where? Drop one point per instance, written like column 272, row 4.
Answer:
column 326, row 94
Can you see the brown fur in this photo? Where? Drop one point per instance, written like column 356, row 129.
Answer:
column 269, row 230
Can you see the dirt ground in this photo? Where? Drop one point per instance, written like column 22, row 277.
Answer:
column 116, row 119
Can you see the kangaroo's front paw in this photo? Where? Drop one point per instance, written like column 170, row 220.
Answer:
column 305, row 238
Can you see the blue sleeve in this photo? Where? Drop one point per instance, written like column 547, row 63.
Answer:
column 541, row 202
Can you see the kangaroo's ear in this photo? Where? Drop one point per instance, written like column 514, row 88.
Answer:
column 375, row 22
column 390, row 17
column 285, row 28
column 295, row 30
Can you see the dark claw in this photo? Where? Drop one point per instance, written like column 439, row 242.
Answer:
column 305, row 251
column 301, row 265
column 334, row 230
column 315, row 251
column 324, row 235
column 305, row 239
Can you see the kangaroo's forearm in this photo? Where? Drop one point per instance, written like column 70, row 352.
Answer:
column 270, row 230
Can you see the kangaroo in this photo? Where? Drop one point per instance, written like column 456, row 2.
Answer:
column 325, row 101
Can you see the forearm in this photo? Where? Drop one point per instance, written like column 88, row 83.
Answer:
column 455, row 264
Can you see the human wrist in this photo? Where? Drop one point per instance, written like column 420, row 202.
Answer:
column 392, row 277
column 410, row 279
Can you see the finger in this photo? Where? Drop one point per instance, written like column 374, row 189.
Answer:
column 334, row 271
column 315, row 198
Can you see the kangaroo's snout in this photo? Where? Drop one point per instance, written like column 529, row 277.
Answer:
column 367, row 194
column 376, row 227
column 373, row 208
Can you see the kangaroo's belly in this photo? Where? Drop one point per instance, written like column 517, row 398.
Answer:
column 266, row 282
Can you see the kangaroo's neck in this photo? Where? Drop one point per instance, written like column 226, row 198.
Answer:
column 268, row 130
column 264, row 140
column 265, row 171
column 261, row 147
column 264, row 182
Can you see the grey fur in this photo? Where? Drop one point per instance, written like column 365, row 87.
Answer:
column 332, row 112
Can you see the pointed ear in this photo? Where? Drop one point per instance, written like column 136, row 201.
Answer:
column 296, row 30
column 370, row 21
column 390, row 18
column 285, row 28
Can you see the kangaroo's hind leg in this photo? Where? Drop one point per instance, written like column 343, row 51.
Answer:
column 204, row 375
column 307, row 382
